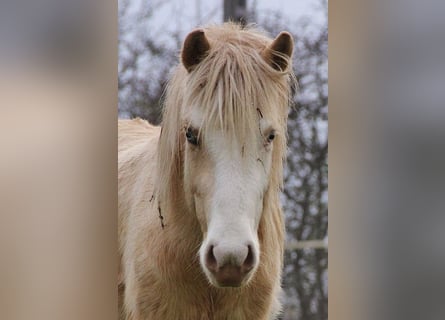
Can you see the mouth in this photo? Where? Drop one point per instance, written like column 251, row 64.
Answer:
column 229, row 282
column 229, row 276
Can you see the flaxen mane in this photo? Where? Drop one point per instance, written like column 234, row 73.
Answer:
column 235, row 84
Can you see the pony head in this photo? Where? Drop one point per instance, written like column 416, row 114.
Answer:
column 225, row 116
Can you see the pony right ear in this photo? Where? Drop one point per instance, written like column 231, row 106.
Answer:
column 279, row 52
column 195, row 49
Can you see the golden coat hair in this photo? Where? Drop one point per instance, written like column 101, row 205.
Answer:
column 160, row 276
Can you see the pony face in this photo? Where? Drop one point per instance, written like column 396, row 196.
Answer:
column 225, row 181
column 224, row 126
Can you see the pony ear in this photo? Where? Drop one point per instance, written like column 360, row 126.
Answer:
column 195, row 49
column 279, row 52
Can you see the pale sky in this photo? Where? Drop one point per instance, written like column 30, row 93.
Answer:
column 181, row 16
column 293, row 9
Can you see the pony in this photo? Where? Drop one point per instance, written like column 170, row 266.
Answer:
column 201, row 231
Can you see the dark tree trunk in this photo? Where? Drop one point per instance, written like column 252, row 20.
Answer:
column 235, row 10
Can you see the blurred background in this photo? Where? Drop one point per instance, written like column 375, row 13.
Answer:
column 150, row 37
column 59, row 89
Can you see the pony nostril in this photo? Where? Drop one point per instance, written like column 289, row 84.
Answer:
column 250, row 259
column 210, row 260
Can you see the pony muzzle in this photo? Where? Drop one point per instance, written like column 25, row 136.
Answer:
column 230, row 265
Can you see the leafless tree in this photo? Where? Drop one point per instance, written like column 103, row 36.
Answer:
column 144, row 63
column 305, row 190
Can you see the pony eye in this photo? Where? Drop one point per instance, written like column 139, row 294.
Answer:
column 191, row 136
column 271, row 136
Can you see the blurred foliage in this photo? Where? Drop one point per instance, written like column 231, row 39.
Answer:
column 144, row 67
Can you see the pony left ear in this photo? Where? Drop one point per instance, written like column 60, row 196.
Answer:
column 195, row 49
column 279, row 52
